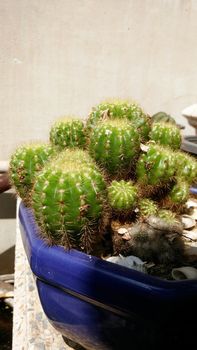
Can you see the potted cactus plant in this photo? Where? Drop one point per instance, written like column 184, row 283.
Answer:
column 114, row 185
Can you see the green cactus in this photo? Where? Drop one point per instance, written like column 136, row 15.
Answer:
column 115, row 144
column 25, row 163
column 68, row 132
column 75, row 155
column 167, row 215
column 176, row 197
column 147, row 207
column 186, row 166
column 69, row 200
column 163, row 117
column 180, row 192
column 120, row 109
column 102, row 182
column 122, row 196
column 166, row 134
column 156, row 166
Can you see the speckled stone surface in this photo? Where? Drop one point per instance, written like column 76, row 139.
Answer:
column 31, row 329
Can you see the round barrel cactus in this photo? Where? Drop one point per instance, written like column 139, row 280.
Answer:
column 25, row 163
column 68, row 132
column 156, row 166
column 180, row 192
column 121, row 109
column 167, row 215
column 163, row 117
column 147, row 207
column 68, row 200
column 122, row 195
column 177, row 196
column 186, row 166
column 115, row 144
column 166, row 134
column 77, row 155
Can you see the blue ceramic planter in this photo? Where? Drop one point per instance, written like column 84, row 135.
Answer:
column 101, row 305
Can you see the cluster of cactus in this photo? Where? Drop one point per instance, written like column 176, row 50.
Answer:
column 116, row 165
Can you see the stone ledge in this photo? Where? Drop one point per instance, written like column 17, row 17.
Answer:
column 31, row 328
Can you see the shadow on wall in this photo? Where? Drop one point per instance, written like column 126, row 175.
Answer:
column 7, row 225
column 7, row 261
column 7, row 256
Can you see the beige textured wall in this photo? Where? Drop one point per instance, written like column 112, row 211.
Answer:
column 61, row 57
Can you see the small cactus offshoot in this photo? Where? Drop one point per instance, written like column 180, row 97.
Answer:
column 180, row 192
column 147, row 207
column 122, row 196
column 167, row 215
column 176, row 197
